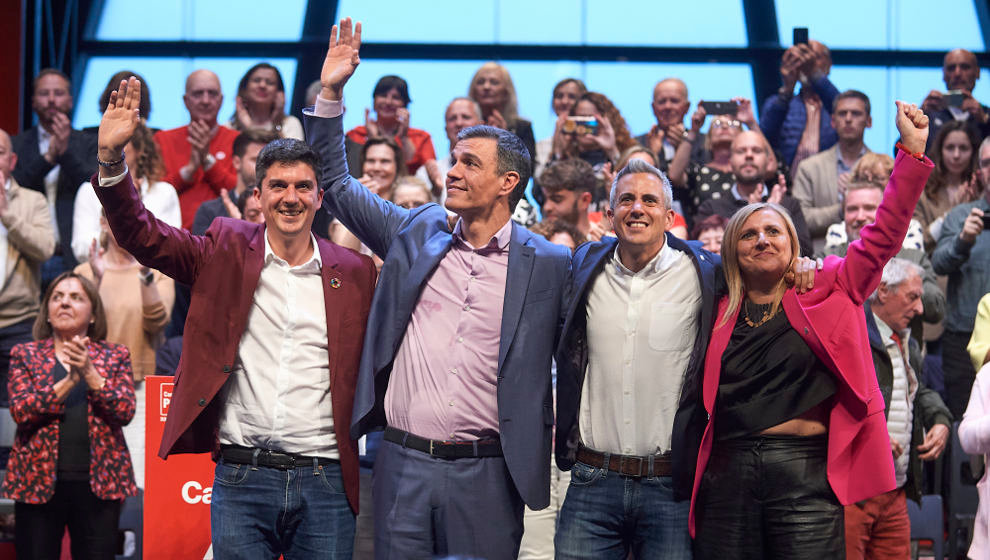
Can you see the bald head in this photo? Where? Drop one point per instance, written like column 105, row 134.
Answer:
column 960, row 70
column 203, row 97
column 670, row 102
column 8, row 159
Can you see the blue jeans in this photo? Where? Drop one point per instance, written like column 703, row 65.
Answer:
column 606, row 516
column 261, row 512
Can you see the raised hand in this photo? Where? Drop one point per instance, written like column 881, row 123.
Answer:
column 96, row 262
column 341, row 60
column 278, row 108
column 243, row 115
column 497, row 120
column 698, row 118
column 229, row 205
column 675, row 133
column 913, row 126
column 402, row 117
column 779, row 190
column 744, row 113
column 933, row 102
column 61, row 128
column 973, row 107
column 972, row 227
column 119, row 120
column 371, row 125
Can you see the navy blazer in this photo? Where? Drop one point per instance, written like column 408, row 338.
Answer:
column 412, row 243
column 572, row 358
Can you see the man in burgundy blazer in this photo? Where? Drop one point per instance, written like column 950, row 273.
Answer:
column 220, row 391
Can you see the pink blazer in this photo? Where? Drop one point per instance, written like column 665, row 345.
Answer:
column 830, row 319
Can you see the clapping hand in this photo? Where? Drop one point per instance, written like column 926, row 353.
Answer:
column 96, row 262
column 119, row 120
column 341, row 60
column 497, row 120
column 779, row 190
column 913, row 127
column 61, row 128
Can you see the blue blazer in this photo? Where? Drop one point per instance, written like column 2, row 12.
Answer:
column 572, row 358
column 412, row 243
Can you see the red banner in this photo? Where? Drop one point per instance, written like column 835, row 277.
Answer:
column 177, row 492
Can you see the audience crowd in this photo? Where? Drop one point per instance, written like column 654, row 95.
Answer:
column 804, row 152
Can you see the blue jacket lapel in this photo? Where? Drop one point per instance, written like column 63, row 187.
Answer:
column 521, row 259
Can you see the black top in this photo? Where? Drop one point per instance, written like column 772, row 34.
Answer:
column 73, row 431
column 769, row 376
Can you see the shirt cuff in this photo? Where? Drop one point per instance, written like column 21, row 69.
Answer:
column 111, row 181
column 327, row 109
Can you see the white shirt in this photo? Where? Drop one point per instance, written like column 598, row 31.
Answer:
column 278, row 396
column 160, row 198
column 641, row 330
column 900, row 417
column 51, row 179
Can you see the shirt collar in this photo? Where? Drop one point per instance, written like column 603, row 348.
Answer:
column 662, row 261
column 737, row 196
column 315, row 262
column 498, row 242
column 886, row 331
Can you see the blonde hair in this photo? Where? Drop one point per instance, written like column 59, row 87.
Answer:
column 866, row 169
column 730, row 256
column 510, row 111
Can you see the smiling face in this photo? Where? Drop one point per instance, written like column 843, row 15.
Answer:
column 289, row 198
column 387, row 105
column 764, row 247
column 670, row 102
column 489, row 89
column 957, row 152
column 640, row 216
column 564, row 97
column 473, row 182
column 203, row 97
column 262, row 86
column 69, row 310
column 379, row 164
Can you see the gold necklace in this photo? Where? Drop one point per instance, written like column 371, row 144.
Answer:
column 767, row 315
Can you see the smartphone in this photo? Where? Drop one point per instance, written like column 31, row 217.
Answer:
column 800, row 35
column 720, row 107
column 581, row 125
column 986, row 221
column 954, row 97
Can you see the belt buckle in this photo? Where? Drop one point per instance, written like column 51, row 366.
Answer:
column 639, row 468
column 431, row 448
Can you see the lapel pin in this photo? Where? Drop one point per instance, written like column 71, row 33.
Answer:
column 334, row 283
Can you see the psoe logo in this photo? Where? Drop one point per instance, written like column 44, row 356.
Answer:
column 194, row 493
column 164, row 398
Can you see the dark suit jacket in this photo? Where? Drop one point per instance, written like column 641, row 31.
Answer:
column 412, row 243
column 223, row 268
column 572, row 358
column 78, row 163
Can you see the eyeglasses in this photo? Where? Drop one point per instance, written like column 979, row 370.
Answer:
column 985, row 163
column 725, row 123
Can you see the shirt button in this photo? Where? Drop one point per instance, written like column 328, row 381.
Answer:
column 453, row 370
column 460, row 339
column 451, row 403
column 467, row 307
column 627, row 421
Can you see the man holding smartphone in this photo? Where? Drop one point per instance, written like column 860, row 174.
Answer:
column 963, row 253
column 960, row 70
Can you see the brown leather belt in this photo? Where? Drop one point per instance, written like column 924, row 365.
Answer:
column 627, row 465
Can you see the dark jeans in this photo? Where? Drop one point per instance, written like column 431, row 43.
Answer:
column 261, row 512
column 606, row 516
column 958, row 371
column 92, row 524
column 768, row 497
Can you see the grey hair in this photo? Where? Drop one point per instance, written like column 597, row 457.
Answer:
column 474, row 105
column 640, row 166
column 895, row 273
column 983, row 144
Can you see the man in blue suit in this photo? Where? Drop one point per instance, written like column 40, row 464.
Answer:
column 635, row 333
column 456, row 365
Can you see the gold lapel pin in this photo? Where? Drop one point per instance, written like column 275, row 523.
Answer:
column 334, row 283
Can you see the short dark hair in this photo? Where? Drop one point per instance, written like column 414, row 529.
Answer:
column 511, row 155
column 53, row 71
column 390, row 82
column 97, row 330
column 714, row 221
column 252, row 136
column 550, row 227
column 144, row 108
column 400, row 158
column 285, row 151
column 852, row 94
column 570, row 174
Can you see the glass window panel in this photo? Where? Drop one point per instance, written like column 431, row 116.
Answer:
column 643, row 23
column 439, row 21
column 201, row 20
column 883, row 85
column 166, row 80
column 904, row 25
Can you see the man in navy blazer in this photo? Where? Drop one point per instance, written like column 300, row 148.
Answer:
column 456, row 363
column 637, row 324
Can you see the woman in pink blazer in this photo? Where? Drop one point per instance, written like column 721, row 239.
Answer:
column 796, row 425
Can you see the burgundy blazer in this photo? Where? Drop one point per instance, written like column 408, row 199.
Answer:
column 31, row 471
column 830, row 319
column 223, row 268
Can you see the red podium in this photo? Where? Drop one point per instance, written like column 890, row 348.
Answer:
column 177, row 492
